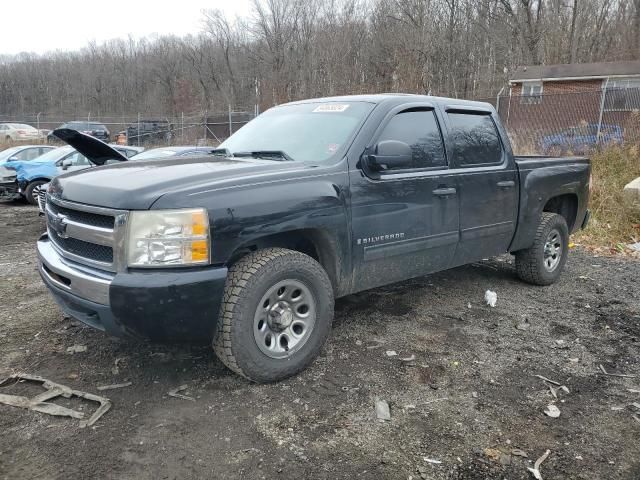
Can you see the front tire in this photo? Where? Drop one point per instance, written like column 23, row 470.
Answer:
column 275, row 316
column 33, row 190
column 542, row 263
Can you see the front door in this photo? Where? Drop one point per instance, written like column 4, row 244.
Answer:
column 487, row 184
column 404, row 220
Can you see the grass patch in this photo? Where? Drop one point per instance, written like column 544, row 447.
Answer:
column 613, row 224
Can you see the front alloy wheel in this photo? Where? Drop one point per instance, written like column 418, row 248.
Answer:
column 275, row 316
column 284, row 319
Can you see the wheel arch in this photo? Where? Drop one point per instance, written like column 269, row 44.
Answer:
column 314, row 242
column 565, row 205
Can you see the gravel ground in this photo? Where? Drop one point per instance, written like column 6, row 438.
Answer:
column 469, row 400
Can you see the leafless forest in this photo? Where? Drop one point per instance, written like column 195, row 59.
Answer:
column 289, row 49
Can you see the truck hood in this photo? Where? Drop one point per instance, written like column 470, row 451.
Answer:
column 95, row 150
column 136, row 185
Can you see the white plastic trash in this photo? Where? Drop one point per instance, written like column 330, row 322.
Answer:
column 491, row 298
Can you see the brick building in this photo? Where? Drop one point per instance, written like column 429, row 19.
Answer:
column 548, row 99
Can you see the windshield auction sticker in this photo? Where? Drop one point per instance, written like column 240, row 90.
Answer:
column 331, row 108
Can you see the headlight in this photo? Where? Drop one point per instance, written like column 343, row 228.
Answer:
column 160, row 238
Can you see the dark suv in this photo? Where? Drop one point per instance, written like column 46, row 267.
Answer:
column 94, row 129
column 149, row 131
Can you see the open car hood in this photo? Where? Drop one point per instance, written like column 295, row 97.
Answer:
column 95, row 150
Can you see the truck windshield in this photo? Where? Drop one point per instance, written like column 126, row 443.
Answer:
column 308, row 132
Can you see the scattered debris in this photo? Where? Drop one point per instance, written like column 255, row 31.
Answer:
column 554, row 391
column 474, row 394
column 574, row 360
column 536, row 466
column 491, row 298
column 552, row 411
column 615, row 374
column 636, row 418
column 410, row 358
column 524, row 325
column 391, row 353
column 519, row 453
column 39, row 402
column 77, row 349
column 358, row 342
column 114, row 386
column 636, row 405
column 557, row 384
column 116, row 369
column 382, row 410
column 493, row 453
column 469, row 305
column 634, row 246
column 633, row 390
column 431, row 460
column 175, row 393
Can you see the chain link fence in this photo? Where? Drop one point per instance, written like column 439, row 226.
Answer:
column 570, row 123
column 546, row 123
column 148, row 129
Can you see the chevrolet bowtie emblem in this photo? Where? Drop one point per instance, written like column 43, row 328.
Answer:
column 59, row 225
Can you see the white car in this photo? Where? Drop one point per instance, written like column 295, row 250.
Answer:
column 18, row 132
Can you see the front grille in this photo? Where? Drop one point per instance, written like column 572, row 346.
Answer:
column 99, row 253
column 94, row 219
column 84, row 233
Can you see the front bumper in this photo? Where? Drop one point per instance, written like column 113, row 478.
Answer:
column 9, row 190
column 167, row 305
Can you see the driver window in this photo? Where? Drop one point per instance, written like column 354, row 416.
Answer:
column 418, row 129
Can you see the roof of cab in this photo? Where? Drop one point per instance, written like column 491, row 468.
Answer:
column 395, row 98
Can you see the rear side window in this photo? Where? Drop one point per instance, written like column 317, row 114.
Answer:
column 418, row 129
column 475, row 139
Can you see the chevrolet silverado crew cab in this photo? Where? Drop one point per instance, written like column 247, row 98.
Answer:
column 310, row 201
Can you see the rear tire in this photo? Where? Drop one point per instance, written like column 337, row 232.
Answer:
column 31, row 192
column 275, row 316
column 542, row 263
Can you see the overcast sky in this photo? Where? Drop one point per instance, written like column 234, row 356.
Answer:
column 44, row 25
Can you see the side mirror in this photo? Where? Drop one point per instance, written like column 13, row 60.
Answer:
column 12, row 159
column 66, row 164
column 390, row 155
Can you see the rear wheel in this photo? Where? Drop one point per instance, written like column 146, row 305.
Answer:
column 542, row 263
column 275, row 316
column 33, row 190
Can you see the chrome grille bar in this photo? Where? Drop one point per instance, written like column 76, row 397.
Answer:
column 78, row 232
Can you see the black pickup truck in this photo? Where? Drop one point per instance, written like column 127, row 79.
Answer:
column 310, row 201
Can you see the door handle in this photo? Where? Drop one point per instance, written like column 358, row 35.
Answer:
column 506, row 184
column 444, row 192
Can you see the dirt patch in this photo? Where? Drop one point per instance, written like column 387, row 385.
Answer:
column 470, row 392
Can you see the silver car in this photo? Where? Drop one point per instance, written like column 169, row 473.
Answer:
column 18, row 132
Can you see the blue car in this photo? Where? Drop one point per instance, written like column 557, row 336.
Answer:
column 580, row 140
column 32, row 175
column 23, row 153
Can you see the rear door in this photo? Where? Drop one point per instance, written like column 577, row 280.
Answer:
column 404, row 221
column 486, row 180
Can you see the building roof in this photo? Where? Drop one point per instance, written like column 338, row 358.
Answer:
column 576, row 71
